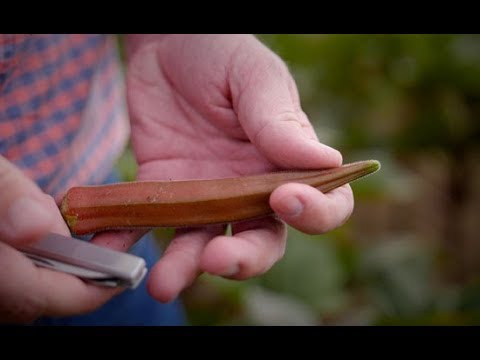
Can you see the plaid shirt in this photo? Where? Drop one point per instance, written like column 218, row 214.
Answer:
column 63, row 117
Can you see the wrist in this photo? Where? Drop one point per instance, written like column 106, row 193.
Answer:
column 133, row 42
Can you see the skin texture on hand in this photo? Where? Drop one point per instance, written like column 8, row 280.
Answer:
column 202, row 106
column 211, row 106
column 27, row 291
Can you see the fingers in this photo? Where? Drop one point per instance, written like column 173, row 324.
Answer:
column 26, row 213
column 285, row 142
column 28, row 292
column 266, row 101
column 179, row 266
column 66, row 295
column 255, row 247
column 309, row 210
column 118, row 240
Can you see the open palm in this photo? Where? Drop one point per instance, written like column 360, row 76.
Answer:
column 221, row 106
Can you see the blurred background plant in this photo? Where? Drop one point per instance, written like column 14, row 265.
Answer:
column 410, row 253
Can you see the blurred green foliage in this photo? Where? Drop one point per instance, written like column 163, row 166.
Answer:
column 404, row 92
column 409, row 254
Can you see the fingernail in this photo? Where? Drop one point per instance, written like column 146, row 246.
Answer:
column 232, row 270
column 26, row 215
column 291, row 206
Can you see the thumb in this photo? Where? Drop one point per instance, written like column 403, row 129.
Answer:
column 269, row 110
column 26, row 213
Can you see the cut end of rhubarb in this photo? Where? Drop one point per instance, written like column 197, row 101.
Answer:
column 70, row 219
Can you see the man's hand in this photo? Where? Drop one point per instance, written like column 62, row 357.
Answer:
column 27, row 291
column 211, row 106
